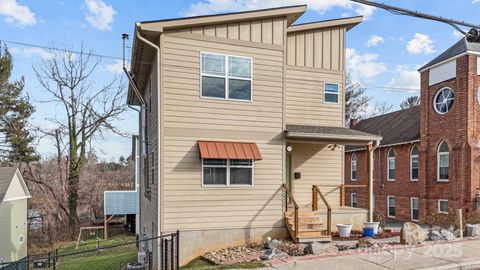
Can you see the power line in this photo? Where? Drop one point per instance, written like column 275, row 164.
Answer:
column 393, row 89
column 59, row 50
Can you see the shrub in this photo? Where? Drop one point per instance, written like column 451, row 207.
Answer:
column 442, row 220
column 379, row 217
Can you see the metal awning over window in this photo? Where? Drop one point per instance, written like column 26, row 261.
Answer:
column 228, row 150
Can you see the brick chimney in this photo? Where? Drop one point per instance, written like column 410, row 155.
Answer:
column 353, row 122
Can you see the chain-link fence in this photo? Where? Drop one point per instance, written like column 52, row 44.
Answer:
column 152, row 254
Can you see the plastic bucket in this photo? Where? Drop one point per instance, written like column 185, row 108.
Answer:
column 368, row 232
column 344, row 230
column 373, row 225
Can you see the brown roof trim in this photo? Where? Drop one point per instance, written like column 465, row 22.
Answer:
column 292, row 12
column 349, row 22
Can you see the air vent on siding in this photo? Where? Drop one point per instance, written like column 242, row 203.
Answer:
column 443, row 72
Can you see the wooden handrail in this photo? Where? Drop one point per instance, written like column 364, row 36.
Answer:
column 295, row 214
column 342, row 191
column 315, row 192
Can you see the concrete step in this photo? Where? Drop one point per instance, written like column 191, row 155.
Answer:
column 306, row 237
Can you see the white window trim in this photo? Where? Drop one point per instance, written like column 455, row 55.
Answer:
column 388, row 164
column 388, row 206
column 435, row 101
column 228, row 176
column 438, row 161
column 338, row 93
column 351, row 199
column 227, row 77
column 351, row 167
column 411, row 208
column 438, row 206
column 411, row 163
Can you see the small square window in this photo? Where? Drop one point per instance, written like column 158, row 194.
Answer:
column 331, row 93
column 443, row 206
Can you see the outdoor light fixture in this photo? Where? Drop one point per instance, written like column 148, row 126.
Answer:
column 289, row 148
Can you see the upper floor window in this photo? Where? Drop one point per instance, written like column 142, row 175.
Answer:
column 354, row 167
column 414, row 164
column 443, row 100
column 442, row 161
column 331, row 92
column 226, row 76
column 391, row 165
column 227, row 172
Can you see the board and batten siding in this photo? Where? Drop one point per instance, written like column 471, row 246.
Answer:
column 305, row 97
column 320, row 48
column 268, row 31
column 189, row 118
column 319, row 165
column 443, row 72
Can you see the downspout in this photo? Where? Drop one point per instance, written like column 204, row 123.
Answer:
column 370, row 191
column 157, row 49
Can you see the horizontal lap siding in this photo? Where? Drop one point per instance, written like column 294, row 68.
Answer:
column 305, row 97
column 318, row 165
column 188, row 118
column 268, row 31
column 188, row 205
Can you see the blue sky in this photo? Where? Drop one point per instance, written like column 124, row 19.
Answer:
column 383, row 52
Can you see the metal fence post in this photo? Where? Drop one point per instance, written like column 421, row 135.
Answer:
column 178, row 249
column 55, row 259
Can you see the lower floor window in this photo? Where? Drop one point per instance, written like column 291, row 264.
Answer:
column 391, row 206
column 443, row 206
column 354, row 200
column 227, row 172
column 414, row 206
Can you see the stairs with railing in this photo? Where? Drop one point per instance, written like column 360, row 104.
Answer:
column 304, row 225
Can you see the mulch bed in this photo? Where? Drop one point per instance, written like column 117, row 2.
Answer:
column 356, row 235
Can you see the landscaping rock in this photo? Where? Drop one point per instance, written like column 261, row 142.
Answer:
column 448, row 235
column 411, row 233
column 316, row 248
column 472, row 230
column 268, row 255
column 272, row 244
column 441, row 234
column 435, row 235
column 365, row 242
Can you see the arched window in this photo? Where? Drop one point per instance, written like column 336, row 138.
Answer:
column 391, row 165
column 442, row 161
column 354, row 167
column 414, row 164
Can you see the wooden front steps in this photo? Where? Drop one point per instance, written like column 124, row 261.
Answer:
column 310, row 227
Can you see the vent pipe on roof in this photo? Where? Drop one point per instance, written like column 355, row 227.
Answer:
column 133, row 84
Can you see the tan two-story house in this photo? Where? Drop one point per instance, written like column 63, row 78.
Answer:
column 242, row 127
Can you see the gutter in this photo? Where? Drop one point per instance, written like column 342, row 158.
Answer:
column 370, row 191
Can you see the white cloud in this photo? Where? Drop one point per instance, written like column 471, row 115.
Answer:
column 115, row 68
column 475, row 1
column 17, row 14
column 458, row 35
column 100, row 15
column 203, row 7
column 363, row 65
column 375, row 40
column 420, row 43
column 405, row 79
column 30, row 52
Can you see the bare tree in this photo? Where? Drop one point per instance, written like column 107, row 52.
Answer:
column 89, row 109
column 410, row 102
column 356, row 101
column 378, row 109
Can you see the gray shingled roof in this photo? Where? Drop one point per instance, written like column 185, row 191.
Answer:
column 395, row 127
column 458, row 48
column 6, row 176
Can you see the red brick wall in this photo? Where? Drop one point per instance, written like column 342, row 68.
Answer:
column 402, row 188
column 459, row 128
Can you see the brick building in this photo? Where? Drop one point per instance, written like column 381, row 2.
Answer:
column 428, row 160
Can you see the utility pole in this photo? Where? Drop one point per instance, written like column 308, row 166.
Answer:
column 472, row 36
